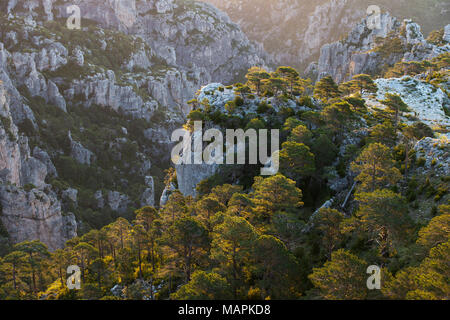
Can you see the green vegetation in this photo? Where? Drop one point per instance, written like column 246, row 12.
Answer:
column 243, row 236
column 259, row 239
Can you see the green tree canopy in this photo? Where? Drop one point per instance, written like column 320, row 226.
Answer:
column 275, row 193
column 296, row 160
column 375, row 168
column 326, row 89
column 341, row 278
column 204, row 286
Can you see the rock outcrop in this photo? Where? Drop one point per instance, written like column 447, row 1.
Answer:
column 190, row 174
column 293, row 32
column 148, row 196
column 166, row 194
column 436, row 154
column 142, row 60
column 30, row 209
column 195, row 43
column 80, row 153
column 426, row 103
column 117, row 201
column 363, row 51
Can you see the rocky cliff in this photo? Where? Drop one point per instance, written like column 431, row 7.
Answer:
column 215, row 97
column 371, row 51
column 30, row 208
column 88, row 112
column 293, row 31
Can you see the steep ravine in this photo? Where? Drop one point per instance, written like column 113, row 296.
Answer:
column 87, row 114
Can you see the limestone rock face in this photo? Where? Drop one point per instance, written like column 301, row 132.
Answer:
column 424, row 101
column 43, row 156
column 70, row 194
column 80, row 153
column 102, row 90
column 166, row 194
column 148, row 196
column 359, row 52
column 33, row 215
column 182, row 46
column 196, row 38
column 78, row 56
column 10, row 157
column 117, row 201
column 293, row 32
column 28, row 68
column 447, row 33
column 189, row 175
column 98, row 195
column 69, row 226
column 19, row 110
column 174, row 47
column 434, row 150
column 30, row 209
column 33, row 172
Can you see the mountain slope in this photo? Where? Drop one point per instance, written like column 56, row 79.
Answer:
column 293, row 31
column 374, row 51
column 97, row 105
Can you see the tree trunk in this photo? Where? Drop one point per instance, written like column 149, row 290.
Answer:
column 140, row 260
column 33, row 274
column 406, row 158
column 14, row 275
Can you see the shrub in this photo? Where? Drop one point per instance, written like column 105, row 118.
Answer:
column 421, row 162
column 3, row 232
column 255, row 124
column 238, row 101
column 196, row 115
column 263, row 107
column 59, row 185
column 421, row 130
column 230, row 106
column 306, row 101
column 28, row 187
column 433, row 211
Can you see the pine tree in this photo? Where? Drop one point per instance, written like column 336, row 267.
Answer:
column 275, row 193
column 375, row 168
column 384, row 133
column 187, row 238
column 15, row 260
column 35, row 251
column 232, row 243
column 327, row 222
column 296, row 160
column 276, row 269
column 436, row 232
column 326, row 89
column 395, row 103
column 301, row 134
column 291, row 76
column 255, row 76
column 338, row 117
column 204, row 286
column 341, row 278
column 206, row 208
column 384, row 218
